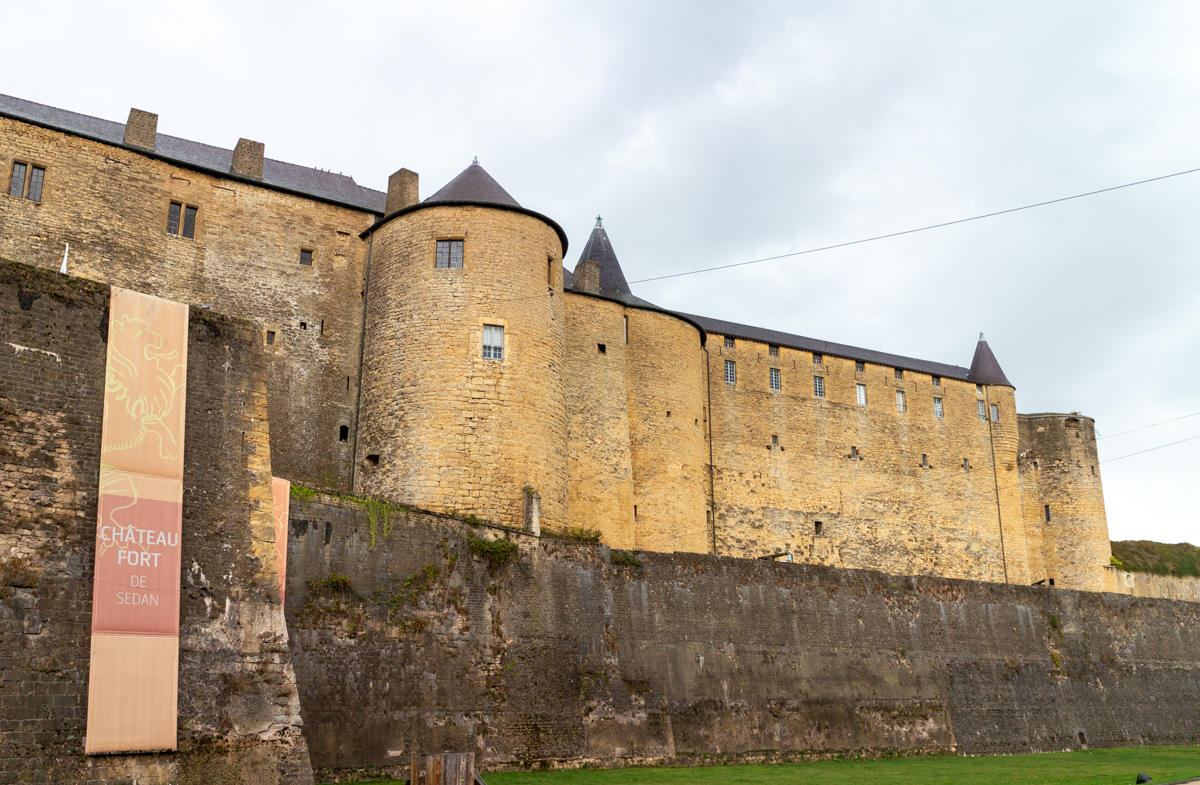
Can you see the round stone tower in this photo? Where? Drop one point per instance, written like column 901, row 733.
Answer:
column 463, row 406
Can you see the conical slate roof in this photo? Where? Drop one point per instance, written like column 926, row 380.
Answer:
column 984, row 367
column 473, row 185
column 599, row 249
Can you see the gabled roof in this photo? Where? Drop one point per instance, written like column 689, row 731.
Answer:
column 599, row 250
column 473, row 184
column 984, row 367
column 302, row 180
column 763, row 335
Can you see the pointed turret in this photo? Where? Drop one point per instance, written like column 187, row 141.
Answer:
column 599, row 249
column 473, row 185
column 984, row 367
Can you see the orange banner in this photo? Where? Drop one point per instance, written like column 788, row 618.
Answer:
column 281, row 491
column 134, row 677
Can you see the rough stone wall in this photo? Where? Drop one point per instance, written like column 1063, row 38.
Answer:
column 239, row 709
column 883, row 509
column 111, row 205
column 1145, row 584
column 566, row 654
column 599, row 465
column 1059, row 468
column 452, row 430
column 665, row 380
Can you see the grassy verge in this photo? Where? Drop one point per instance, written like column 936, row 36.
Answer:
column 1088, row 767
column 1158, row 558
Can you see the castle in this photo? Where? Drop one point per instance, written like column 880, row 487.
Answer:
column 437, row 352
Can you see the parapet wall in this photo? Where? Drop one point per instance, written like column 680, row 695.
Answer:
column 238, row 706
column 1145, row 584
column 566, row 653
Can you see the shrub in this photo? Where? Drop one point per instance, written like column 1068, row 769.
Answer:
column 495, row 552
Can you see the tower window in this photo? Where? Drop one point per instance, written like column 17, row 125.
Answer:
column 730, row 372
column 924, row 461
column 901, row 403
column 602, row 348
column 174, row 212
column 819, row 386
column 995, row 413
column 854, row 453
column 343, row 433
column 270, row 337
column 626, row 329
column 774, row 440
column 25, row 175
column 773, row 350
column 979, row 389
column 1035, row 466
column 549, row 271
column 818, row 527
column 1047, row 508
column 449, row 255
column 937, row 407
column 982, row 412
column 966, row 465
column 16, row 186
column 493, row 342
column 860, row 366
column 305, row 258
column 899, row 373
column 776, row 381
column 818, row 358
column 189, row 222
column 937, row 381
column 861, row 392
column 728, row 342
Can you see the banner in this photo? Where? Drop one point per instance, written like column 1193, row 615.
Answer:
column 281, row 491
column 133, row 683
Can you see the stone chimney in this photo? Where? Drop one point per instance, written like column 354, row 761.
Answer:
column 248, row 159
column 141, row 130
column 402, row 191
column 587, row 276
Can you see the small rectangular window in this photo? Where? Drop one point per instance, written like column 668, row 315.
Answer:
column 728, row 342
column 817, row 358
column 901, row 404
column 343, row 433
column 1047, row 513
column 306, row 258
column 937, row 381
column 449, row 254
column 982, row 412
column 774, row 440
column 773, row 350
column 995, row 413
column 626, row 329
column 937, row 407
column 819, row 386
column 979, row 389
column 730, row 372
column 966, row 465
column 861, row 390
column 549, row 271
column 776, row 381
column 854, row 453
column 860, row 366
column 270, row 337
column 173, row 215
column 602, row 348
column 37, row 175
column 817, row 527
column 493, row 342
column 189, row 222
column 16, row 186
column 924, row 461
column 899, row 373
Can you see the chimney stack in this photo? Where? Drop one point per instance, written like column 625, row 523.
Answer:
column 248, row 159
column 587, row 276
column 402, row 192
column 141, row 130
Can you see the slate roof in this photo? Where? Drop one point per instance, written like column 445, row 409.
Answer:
column 473, row 184
column 763, row 335
column 984, row 367
column 305, row 181
column 599, row 249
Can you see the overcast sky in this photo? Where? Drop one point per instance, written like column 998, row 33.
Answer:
column 711, row 133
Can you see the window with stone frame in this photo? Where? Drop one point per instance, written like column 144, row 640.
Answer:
column 26, row 181
column 937, row 407
column 728, row 342
column 861, row 391
column 982, row 412
column 449, row 255
column 730, row 372
column 995, row 413
column 493, row 342
column 776, row 380
column 819, row 386
column 901, row 401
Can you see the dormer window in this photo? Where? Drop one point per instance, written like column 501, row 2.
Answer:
column 449, row 255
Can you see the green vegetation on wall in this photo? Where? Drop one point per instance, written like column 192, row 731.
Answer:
column 1158, row 558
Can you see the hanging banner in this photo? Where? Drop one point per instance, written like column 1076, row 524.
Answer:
column 133, row 683
column 281, row 491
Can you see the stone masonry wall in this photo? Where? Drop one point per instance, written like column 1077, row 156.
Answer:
column 449, row 429
column 111, row 205
column 238, row 707
column 566, row 653
column 889, row 488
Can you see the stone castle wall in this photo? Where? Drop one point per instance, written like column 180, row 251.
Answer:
column 111, row 205
column 566, row 654
column 239, row 712
column 450, row 429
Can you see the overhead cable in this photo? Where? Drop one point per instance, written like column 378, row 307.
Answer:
column 1144, row 427
column 1152, row 449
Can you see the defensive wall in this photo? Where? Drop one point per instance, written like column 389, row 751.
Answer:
column 421, row 632
column 239, row 711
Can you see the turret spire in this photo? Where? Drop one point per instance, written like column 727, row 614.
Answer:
column 599, row 249
column 985, row 369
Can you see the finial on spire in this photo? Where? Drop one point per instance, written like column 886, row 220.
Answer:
column 475, row 161
column 981, row 336
column 599, row 221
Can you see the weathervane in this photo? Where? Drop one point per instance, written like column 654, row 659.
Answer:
column 599, row 221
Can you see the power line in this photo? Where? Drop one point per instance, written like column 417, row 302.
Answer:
column 1152, row 449
column 920, row 229
column 1144, row 427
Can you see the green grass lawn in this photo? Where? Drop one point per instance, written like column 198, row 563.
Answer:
column 1091, row 767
